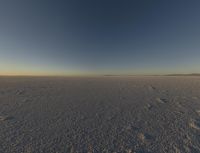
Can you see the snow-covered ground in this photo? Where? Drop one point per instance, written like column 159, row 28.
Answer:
column 159, row 114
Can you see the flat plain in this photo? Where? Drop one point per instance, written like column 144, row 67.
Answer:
column 108, row 114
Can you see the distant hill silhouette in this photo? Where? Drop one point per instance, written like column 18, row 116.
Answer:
column 191, row 74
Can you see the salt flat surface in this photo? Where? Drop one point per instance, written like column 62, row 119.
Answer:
column 158, row 114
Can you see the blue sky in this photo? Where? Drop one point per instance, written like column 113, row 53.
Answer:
column 75, row 37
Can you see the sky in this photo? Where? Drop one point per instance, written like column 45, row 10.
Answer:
column 99, row 37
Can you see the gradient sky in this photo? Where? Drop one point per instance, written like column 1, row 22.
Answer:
column 78, row 37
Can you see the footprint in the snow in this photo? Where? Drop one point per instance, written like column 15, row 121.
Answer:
column 148, row 106
column 25, row 100
column 161, row 100
column 129, row 128
column 151, row 88
column 195, row 98
column 176, row 149
column 111, row 117
column 198, row 112
column 144, row 137
column 19, row 92
column 195, row 124
column 179, row 104
column 5, row 118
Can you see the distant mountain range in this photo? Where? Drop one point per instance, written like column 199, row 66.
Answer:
column 190, row 74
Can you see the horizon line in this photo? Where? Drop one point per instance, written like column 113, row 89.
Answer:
column 93, row 75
